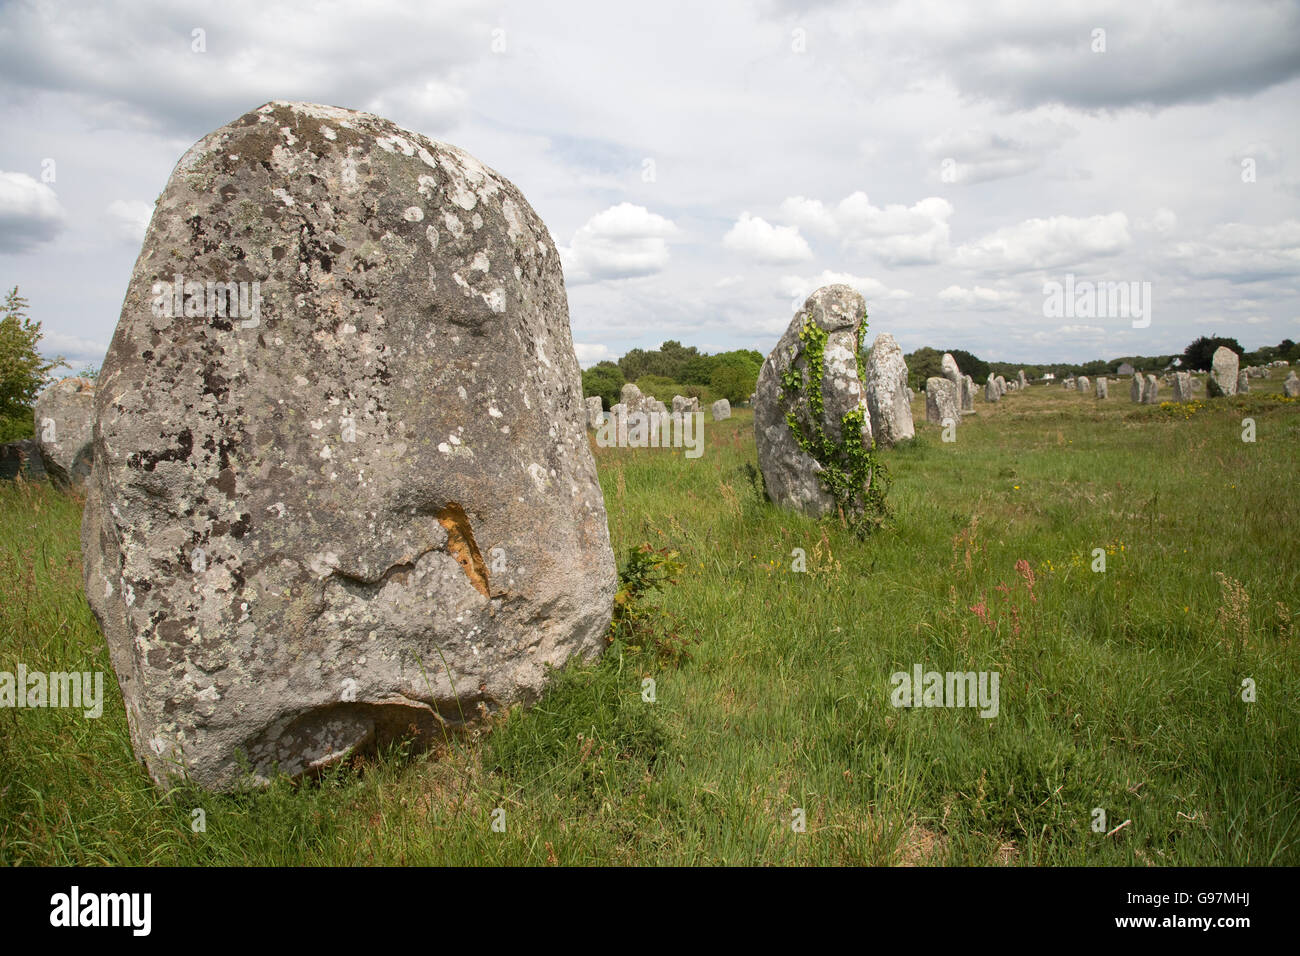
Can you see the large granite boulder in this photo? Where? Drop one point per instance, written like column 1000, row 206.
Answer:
column 942, row 400
column 991, row 393
column 1084, row 384
column 790, row 473
column 365, row 507
column 889, row 400
column 1223, row 373
column 65, row 419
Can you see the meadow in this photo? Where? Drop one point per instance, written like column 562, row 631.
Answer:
column 771, row 737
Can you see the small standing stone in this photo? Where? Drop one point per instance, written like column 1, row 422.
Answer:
column 1151, row 393
column 1135, row 388
column 1291, row 387
column 1223, row 373
column 1103, row 387
column 721, row 410
column 942, row 400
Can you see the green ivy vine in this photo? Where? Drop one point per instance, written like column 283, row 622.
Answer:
column 851, row 472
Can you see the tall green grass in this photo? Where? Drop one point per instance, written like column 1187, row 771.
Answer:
column 1120, row 690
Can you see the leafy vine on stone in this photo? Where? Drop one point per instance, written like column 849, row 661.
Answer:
column 851, row 472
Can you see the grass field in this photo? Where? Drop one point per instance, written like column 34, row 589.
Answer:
column 1119, row 689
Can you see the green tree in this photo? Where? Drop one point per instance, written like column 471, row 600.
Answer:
column 23, row 370
column 1199, row 353
column 604, row 379
column 735, row 374
column 976, row 368
column 924, row 363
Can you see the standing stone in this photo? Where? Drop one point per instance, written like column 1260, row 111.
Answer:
column 967, row 394
column 1151, row 391
column 631, row 397
column 1243, row 383
column 1084, row 384
column 1002, row 386
column 789, row 473
column 949, row 370
column 1182, row 386
column 1135, row 387
column 889, row 400
column 942, row 401
column 369, row 507
column 1291, row 387
column 618, row 412
column 65, row 419
column 1103, row 387
column 1024, row 383
column 1223, row 373
column 595, row 411
column 991, row 393
column 721, row 410
column 22, row 457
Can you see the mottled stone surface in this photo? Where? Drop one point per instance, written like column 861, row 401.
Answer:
column 1151, row 391
column 789, row 473
column 1024, row 383
column 967, row 394
column 23, row 458
column 1223, row 373
column 889, row 400
column 942, row 400
column 991, row 393
column 1243, row 383
column 948, row 369
column 1103, row 387
column 632, row 399
column 595, row 411
column 65, row 416
column 721, row 410
column 1084, row 384
column 1135, row 387
column 371, row 507
column 1291, row 386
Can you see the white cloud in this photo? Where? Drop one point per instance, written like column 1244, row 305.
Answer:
column 1163, row 221
column 74, row 348
column 763, row 242
column 130, row 218
column 798, row 288
column 1243, row 252
column 978, row 297
column 589, row 353
column 976, row 155
column 897, row 234
column 30, row 213
column 622, row 242
column 1046, row 243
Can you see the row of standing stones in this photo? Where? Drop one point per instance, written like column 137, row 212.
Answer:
column 372, row 509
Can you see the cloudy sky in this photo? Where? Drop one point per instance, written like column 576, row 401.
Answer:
column 705, row 166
